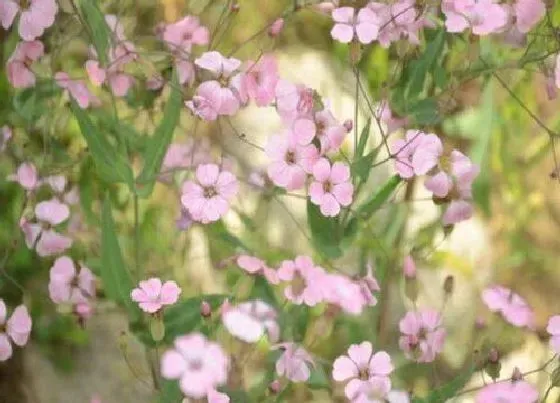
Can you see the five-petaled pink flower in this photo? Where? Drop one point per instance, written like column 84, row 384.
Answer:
column 151, row 295
column 510, row 305
column 77, row 90
column 294, row 363
column 364, row 25
column 483, row 16
column 16, row 329
column 291, row 162
column 398, row 20
column 199, row 365
column 403, row 150
column 363, row 368
column 34, row 18
column 332, row 187
column 249, row 320
column 208, row 198
column 17, row 68
column 68, row 286
column 422, row 335
column 305, row 280
column 512, row 391
column 553, row 328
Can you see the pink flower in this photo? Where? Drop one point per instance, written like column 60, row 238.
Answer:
column 339, row 290
column 26, row 176
column 56, row 182
column 365, row 26
column 217, row 397
column 212, row 100
column 17, row 68
column 362, row 368
column 376, row 392
column 67, row 286
column 276, row 27
column 294, row 363
column 218, row 65
column 16, row 329
column 511, row 391
column 260, row 80
column 253, row 265
column 208, row 198
column 403, row 150
column 52, row 211
column 528, row 13
column 484, row 16
column 37, row 16
column 199, row 365
column 553, row 328
column 293, row 101
column 305, row 280
column 422, row 335
column 291, row 162
column 510, row 305
column 332, row 187
column 249, row 320
column 323, row 126
column 397, row 20
column 77, row 90
column 152, row 295
column 47, row 242
column 5, row 136
column 183, row 34
column 427, row 153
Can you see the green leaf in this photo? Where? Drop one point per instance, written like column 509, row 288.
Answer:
column 99, row 31
column 117, row 281
column 158, row 144
column 362, row 166
column 423, row 66
column 263, row 290
column 30, row 103
column 318, row 378
column 324, row 232
column 363, row 140
column 380, row 197
column 111, row 165
column 170, row 392
column 424, row 112
column 449, row 390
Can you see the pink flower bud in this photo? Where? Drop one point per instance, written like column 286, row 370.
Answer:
column 205, row 309
column 348, row 125
column 235, row 7
column 409, row 268
column 276, row 27
column 274, row 386
column 493, row 355
column 516, row 375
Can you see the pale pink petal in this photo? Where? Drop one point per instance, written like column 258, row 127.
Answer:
column 2, row 312
column 5, row 347
column 339, row 173
column 344, row 368
column 343, row 14
column 304, row 130
column 52, row 211
column 8, row 11
column 343, row 193
column 207, row 174
column 380, row 364
column 322, row 170
column 96, row 73
column 18, row 326
column 342, row 33
column 361, row 354
column 173, row 365
column 170, row 292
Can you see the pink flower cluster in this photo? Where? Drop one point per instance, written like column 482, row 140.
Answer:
column 152, row 295
column 309, row 284
column 451, row 175
column 513, row 308
column 68, row 287
column 248, row 321
column 14, row 330
column 367, row 372
column 422, row 336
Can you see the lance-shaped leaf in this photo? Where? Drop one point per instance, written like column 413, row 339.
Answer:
column 98, row 29
column 380, row 197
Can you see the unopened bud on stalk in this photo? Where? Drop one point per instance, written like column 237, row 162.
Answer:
column 448, row 285
column 157, row 328
column 274, row 386
column 276, row 27
column 205, row 309
column 516, row 375
column 409, row 268
column 493, row 355
column 493, row 366
column 348, row 125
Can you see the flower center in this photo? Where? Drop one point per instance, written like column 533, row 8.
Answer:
column 210, row 192
column 364, row 374
column 74, row 283
column 320, row 128
column 24, row 4
column 290, row 157
column 327, row 186
column 298, row 284
column 195, row 365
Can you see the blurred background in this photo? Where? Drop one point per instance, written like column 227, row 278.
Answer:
column 513, row 239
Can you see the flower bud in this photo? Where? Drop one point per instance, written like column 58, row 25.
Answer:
column 448, row 285
column 276, row 27
column 493, row 355
column 516, row 375
column 235, row 7
column 409, row 268
column 205, row 309
column 492, row 365
column 348, row 125
column 274, row 386
column 157, row 328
